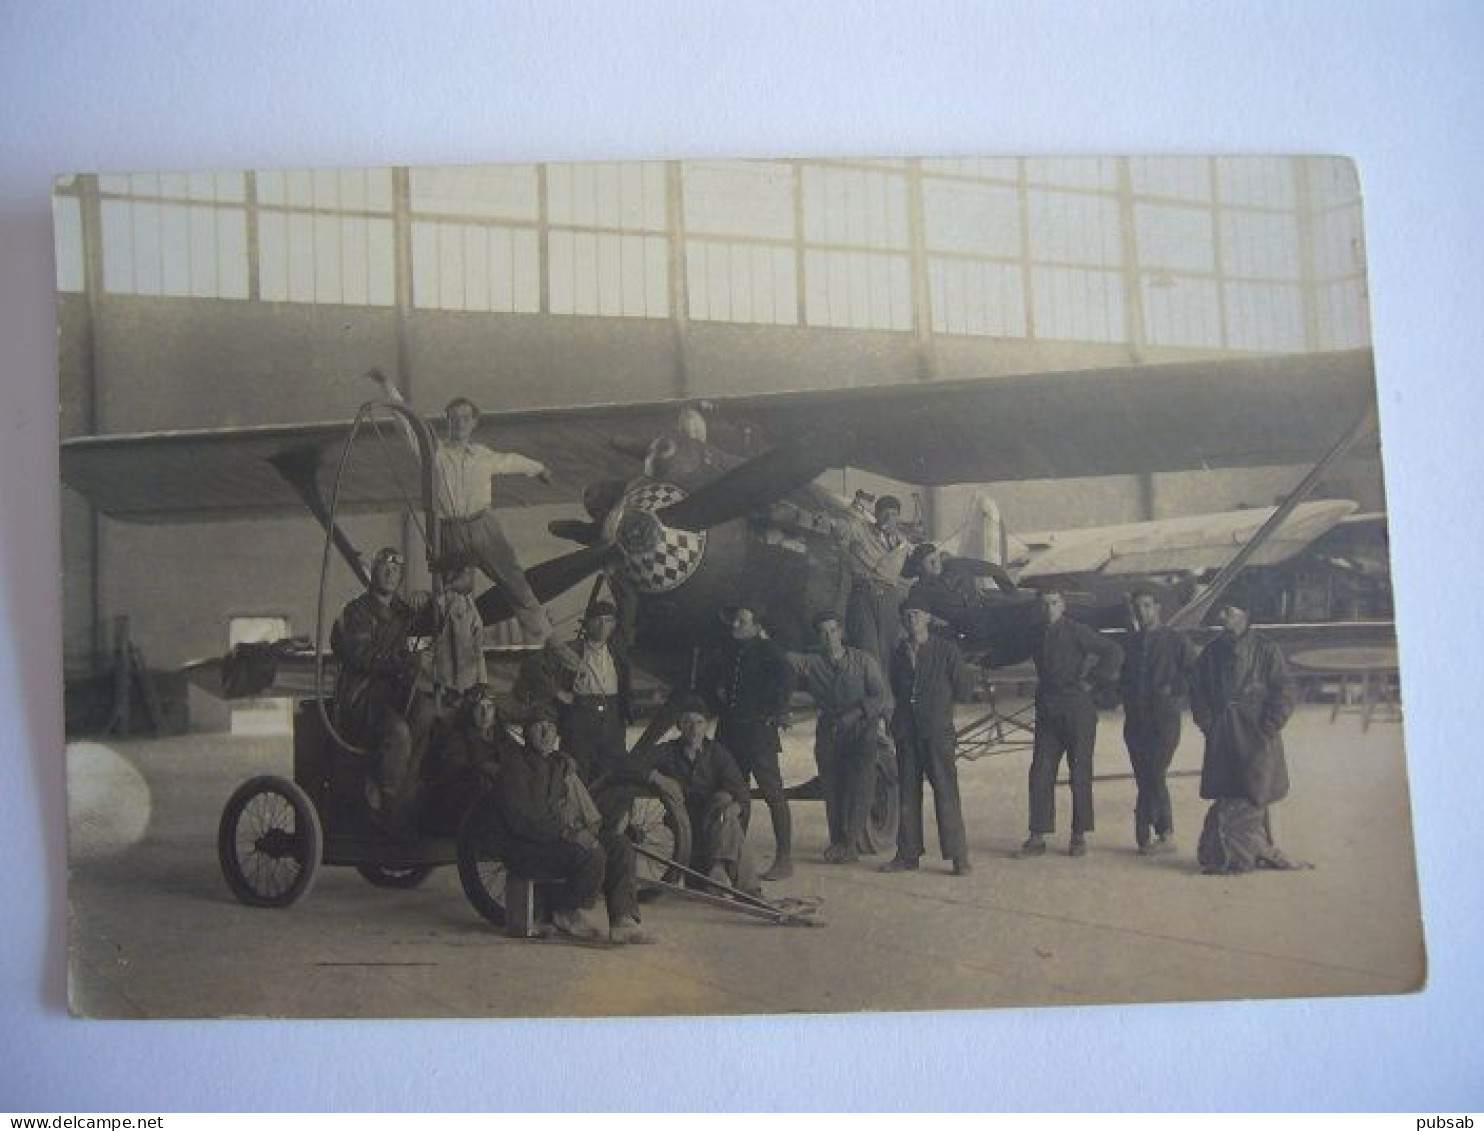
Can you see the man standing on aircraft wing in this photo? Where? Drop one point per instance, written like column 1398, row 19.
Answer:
column 928, row 675
column 466, row 472
column 752, row 682
column 1071, row 659
column 1157, row 662
column 1241, row 697
column 846, row 685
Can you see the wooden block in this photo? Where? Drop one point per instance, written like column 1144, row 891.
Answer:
column 520, row 907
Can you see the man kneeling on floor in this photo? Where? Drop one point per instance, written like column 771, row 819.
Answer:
column 550, row 830
column 706, row 777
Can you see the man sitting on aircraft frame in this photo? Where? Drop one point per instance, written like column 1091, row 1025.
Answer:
column 466, row 471
column 377, row 706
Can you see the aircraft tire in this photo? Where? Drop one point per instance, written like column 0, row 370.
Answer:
column 269, row 842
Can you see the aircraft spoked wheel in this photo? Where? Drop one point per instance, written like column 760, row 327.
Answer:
column 886, row 804
column 482, row 873
column 661, row 825
column 269, row 842
column 386, row 876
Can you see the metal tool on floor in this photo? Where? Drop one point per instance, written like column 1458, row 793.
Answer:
column 793, row 913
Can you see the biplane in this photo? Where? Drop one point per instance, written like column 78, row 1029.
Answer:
column 690, row 524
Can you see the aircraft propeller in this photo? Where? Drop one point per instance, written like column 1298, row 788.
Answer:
column 734, row 494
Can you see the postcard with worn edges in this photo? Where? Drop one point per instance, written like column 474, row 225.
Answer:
column 726, row 587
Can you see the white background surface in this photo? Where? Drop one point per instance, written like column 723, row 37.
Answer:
column 159, row 86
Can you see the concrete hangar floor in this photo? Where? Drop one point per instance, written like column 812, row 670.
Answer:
column 154, row 931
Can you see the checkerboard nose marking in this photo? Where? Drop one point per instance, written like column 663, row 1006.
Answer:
column 657, row 558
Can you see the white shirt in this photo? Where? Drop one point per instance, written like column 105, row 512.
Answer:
column 596, row 674
column 464, row 474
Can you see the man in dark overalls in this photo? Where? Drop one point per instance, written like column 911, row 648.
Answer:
column 928, row 675
column 1071, row 659
column 751, row 683
column 1157, row 662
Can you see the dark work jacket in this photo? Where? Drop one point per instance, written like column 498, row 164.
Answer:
column 750, row 684
column 532, row 794
column 376, row 669
column 1156, row 670
column 714, row 771
column 926, row 686
column 1070, row 654
column 1241, row 697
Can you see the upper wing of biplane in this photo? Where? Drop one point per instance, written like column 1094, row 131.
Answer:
column 1241, row 412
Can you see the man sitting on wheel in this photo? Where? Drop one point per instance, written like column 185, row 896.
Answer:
column 701, row 773
column 549, row 829
column 376, row 707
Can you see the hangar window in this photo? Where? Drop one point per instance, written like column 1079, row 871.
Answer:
column 1344, row 320
column 972, row 297
column 174, row 234
column 475, row 243
column 67, row 221
column 475, row 267
column 858, row 289
column 1265, row 182
column 1259, row 245
column 1264, row 316
column 962, row 216
column 1181, row 310
column 1171, row 178
column 855, row 220
column 606, row 247
column 741, row 252
column 1005, row 169
column 1093, row 173
column 730, row 282
column 325, row 236
column 1078, row 304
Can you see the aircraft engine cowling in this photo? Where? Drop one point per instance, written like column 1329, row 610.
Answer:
column 657, row 558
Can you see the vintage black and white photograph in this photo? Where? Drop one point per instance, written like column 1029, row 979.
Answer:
column 702, row 587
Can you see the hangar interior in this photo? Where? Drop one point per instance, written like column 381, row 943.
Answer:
column 244, row 298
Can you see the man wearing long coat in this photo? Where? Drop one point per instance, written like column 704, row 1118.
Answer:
column 1241, row 697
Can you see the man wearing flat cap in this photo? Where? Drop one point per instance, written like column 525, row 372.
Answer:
column 750, row 680
column 714, row 789
column 589, row 682
column 1241, row 697
column 548, row 828
column 377, row 706
column 928, row 675
column 846, row 686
